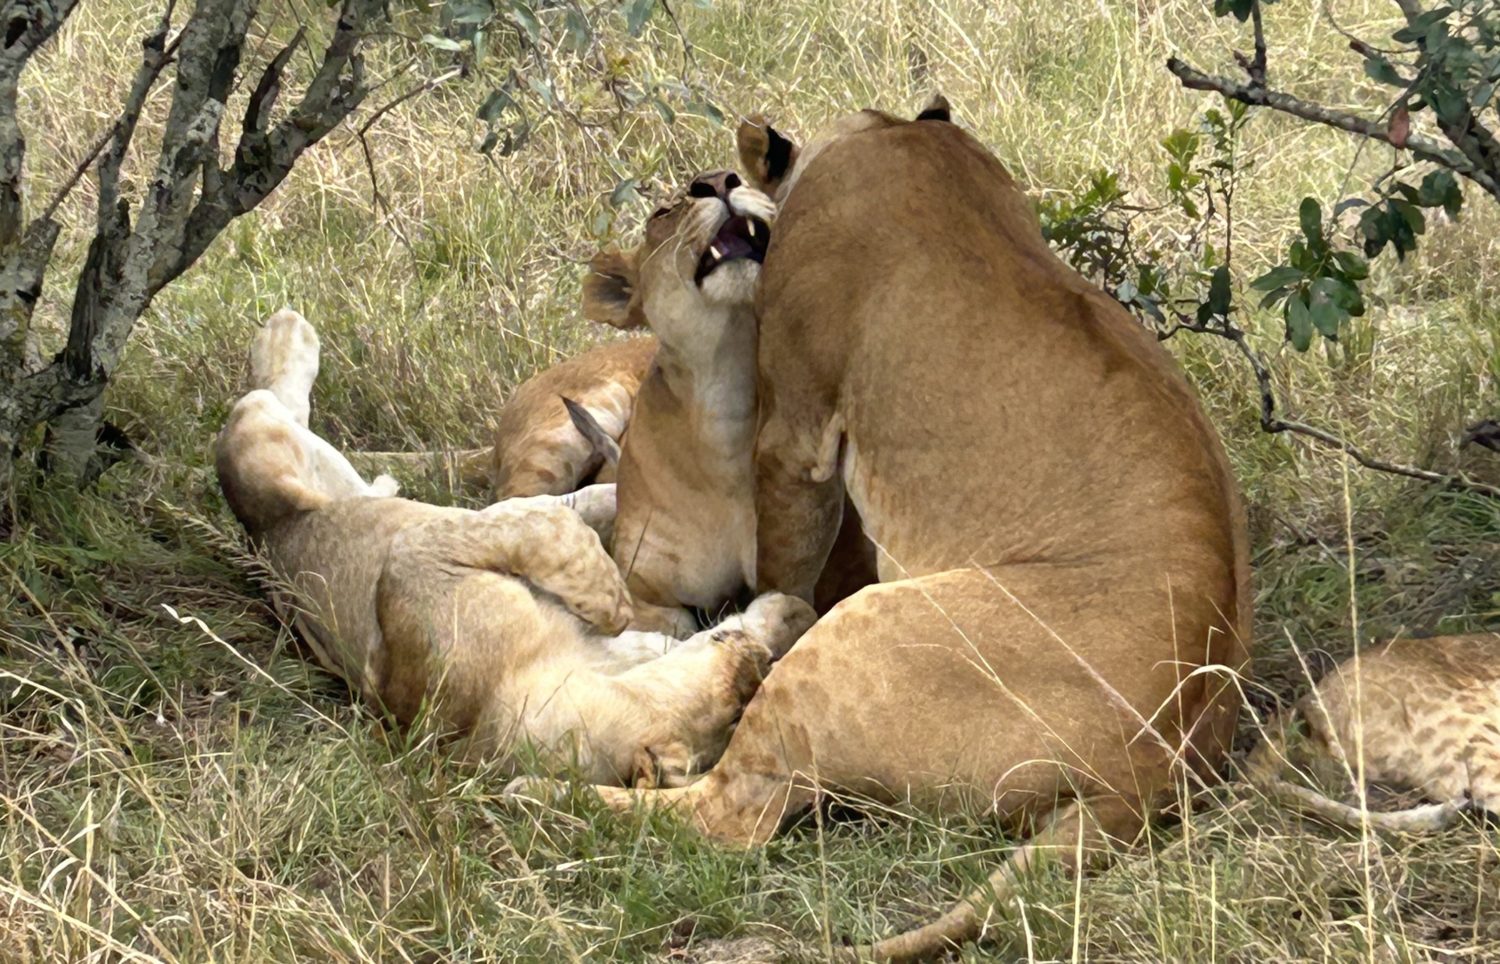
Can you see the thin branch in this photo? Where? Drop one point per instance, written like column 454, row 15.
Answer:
column 1272, row 424
column 79, row 170
column 377, row 199
column 156, row 54
column 687, row 46
column 417, row 91
column 1423, row 147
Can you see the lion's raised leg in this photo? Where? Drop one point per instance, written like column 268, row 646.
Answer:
column 660, row 720
column 284, row 361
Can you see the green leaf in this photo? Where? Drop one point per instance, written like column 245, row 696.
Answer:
column 1352, row 265
column 1299, row 325
column 543, row 90
column 664, row 109
column 1324, row 307
column 1437, row 188
column 1219, row 296
column 1278, row 277
column 1413, row 216
column 1449, row 104
column 704, row 108
column 1310, row 213
column 515, row 139
column 624, row 192
column 495, row 105
column 526, row 19
column 441, row 43
column 1381, row 70
column 637, row 12
column 470, row 12
column 1240, row 8
column 577, row 28
column 1181, row 145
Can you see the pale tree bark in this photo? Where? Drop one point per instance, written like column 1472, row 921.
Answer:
column 188, row 202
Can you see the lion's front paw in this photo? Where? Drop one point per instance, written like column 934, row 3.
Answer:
column 384, row 486
column 777, row 621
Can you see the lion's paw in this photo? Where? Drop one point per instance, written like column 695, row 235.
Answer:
column 539, row 789
column 384, row 486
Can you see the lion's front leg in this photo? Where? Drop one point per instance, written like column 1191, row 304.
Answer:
column 799, row 503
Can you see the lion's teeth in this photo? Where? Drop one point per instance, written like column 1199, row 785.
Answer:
column 750, row 226
column 714, row 250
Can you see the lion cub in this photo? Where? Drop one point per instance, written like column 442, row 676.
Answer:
column 685, row 533
column 1420, row 714
column 502, row 622
column 538, row 450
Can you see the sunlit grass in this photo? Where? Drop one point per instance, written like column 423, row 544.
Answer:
column 185, row 791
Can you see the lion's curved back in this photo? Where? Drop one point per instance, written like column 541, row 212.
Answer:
column 999, row 409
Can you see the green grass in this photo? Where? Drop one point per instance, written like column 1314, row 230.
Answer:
column 194, row 790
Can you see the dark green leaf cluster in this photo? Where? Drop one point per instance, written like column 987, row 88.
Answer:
column 1317, row 287
column 1449, row 62
column 1092, row 230
column 1446, row 69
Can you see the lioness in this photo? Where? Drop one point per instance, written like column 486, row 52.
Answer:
column 504, row 620
column 1065, row 581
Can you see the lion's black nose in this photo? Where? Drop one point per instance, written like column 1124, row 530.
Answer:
column 714, row 184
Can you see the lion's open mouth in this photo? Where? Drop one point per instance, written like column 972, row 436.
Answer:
column 740, row 237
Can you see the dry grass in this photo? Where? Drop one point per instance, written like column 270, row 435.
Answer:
column 183, row 790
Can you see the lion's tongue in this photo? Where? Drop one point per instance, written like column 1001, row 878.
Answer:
column 732, row 242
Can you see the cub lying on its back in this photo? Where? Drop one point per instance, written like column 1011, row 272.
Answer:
column 502, row 619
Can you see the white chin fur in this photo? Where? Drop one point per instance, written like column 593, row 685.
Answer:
column 732, row 283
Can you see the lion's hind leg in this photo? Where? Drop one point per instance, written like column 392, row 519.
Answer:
column 548, row 545
column 284, row 361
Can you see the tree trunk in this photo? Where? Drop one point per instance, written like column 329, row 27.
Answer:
column 188, row 203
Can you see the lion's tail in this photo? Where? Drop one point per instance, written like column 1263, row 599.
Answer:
column 1077, row 832
column 1268, row 761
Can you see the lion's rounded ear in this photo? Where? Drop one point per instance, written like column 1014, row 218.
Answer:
column 937, row 109
column 609, row 291
column 765, row 153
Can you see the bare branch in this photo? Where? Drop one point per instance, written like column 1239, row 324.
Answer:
column 1423, row 147
column 263, row 158
column 24, row 251
column 188, row 202
column 1272, row 424
column 155, row 55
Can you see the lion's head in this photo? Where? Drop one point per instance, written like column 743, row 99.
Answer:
column 701, row 254
column 773, row 161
